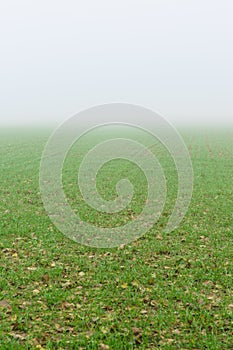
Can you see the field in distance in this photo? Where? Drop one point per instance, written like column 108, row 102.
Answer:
column 168, row 291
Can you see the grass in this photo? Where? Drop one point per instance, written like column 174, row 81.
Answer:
column 163, row 291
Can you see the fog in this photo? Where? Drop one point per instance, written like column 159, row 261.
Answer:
column 60, row 57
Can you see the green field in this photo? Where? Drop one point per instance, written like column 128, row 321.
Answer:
column 163, row 291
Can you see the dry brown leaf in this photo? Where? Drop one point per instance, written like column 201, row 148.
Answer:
column 36, row 291
column 4, row 304
column 143, row 312
column 103, row 347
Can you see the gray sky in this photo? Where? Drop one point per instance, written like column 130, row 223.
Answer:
column 174, row 56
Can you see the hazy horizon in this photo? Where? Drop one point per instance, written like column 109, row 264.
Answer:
column 58, row 58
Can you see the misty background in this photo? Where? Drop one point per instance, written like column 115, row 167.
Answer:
column 59, row 57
